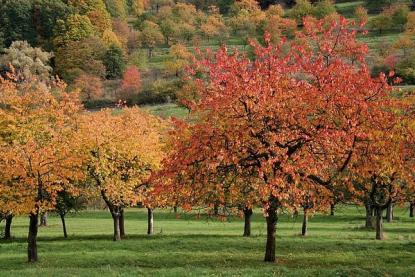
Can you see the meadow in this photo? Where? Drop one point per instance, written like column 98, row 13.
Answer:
column 186, row 245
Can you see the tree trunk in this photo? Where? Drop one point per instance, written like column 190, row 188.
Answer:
column 247, row 216
column 7, row 229
column 175, row 209
column 216, row 209
column 389, row 213
column 116, row 219
column 305, row 222
column 65, row 233
column 368, row 216
column 150, row 221
column 32, row 238
column 44, row 219
column 122, row 227
column 272, row 219
column 411, row 209
column 379, row 224
column 332, row 209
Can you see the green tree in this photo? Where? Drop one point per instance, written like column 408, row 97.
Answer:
column 16, row 21
column 114, row 62
column 28, row 63
column 80, row 57
column 75, row 28
column 46, row 13
column 150, row 36
column 324, row 8
column 301, row 9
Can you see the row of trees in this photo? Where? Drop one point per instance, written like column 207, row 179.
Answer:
column 52, row 152
column 299, row 124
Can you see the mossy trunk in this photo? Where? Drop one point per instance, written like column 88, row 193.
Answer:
column 304, row 229
column 379, row 224
column 8, row 227
column 411, row 209
column 32, row 238
column 247, row 226
column 150, row 221
column 272, row 219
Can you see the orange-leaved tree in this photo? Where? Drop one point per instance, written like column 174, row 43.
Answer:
column 291, row 116
column 38, row 158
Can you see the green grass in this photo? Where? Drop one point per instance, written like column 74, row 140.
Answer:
column 167, row 110
column 336, row 246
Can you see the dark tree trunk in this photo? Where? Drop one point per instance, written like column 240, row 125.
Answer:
column 216, row 209
column 272, row 219
column 411, row 209
column 7, row 229
column 332, row 209
column 305, row 223
column 32, row 238
column 65, row 233
column 122, row 227
column 150, row 221
column 175, row 209
column 389, row 213
column 247, row 226
column 44, row 219
column 372, row 208
column 379, row 224
column 116, row 218
column 368, row 208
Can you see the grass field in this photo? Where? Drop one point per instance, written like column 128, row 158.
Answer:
column 336, row 246
column 166, row 110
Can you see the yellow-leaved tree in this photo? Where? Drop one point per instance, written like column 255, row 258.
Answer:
column 123, row 149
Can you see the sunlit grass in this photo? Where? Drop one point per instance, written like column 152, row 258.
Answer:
column 186, row 246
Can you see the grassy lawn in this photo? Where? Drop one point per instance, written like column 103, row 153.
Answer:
column 185, row 246
column 166, row 110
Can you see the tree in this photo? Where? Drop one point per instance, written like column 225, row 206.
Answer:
column 378, row 5
column 324, row 8
column 26, row 62
column 37, row 157
column 123, row 150
column 131, row 82
column 46, row 13
column 361, row 15
column 288, row 132
column 114, row 62
column 75, row 28
column 90, row 87
column 81, row 57
column 110, row 38
column 180, row 57
column 410, row 24
column 65, row 203
column 214, row 27
column 381, row 23
column 116, row 8
column 150, row 36
column 138, row 7
column 301, row 9
column 16, row 21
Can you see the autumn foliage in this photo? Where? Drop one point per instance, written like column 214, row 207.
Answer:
column 291, row 119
